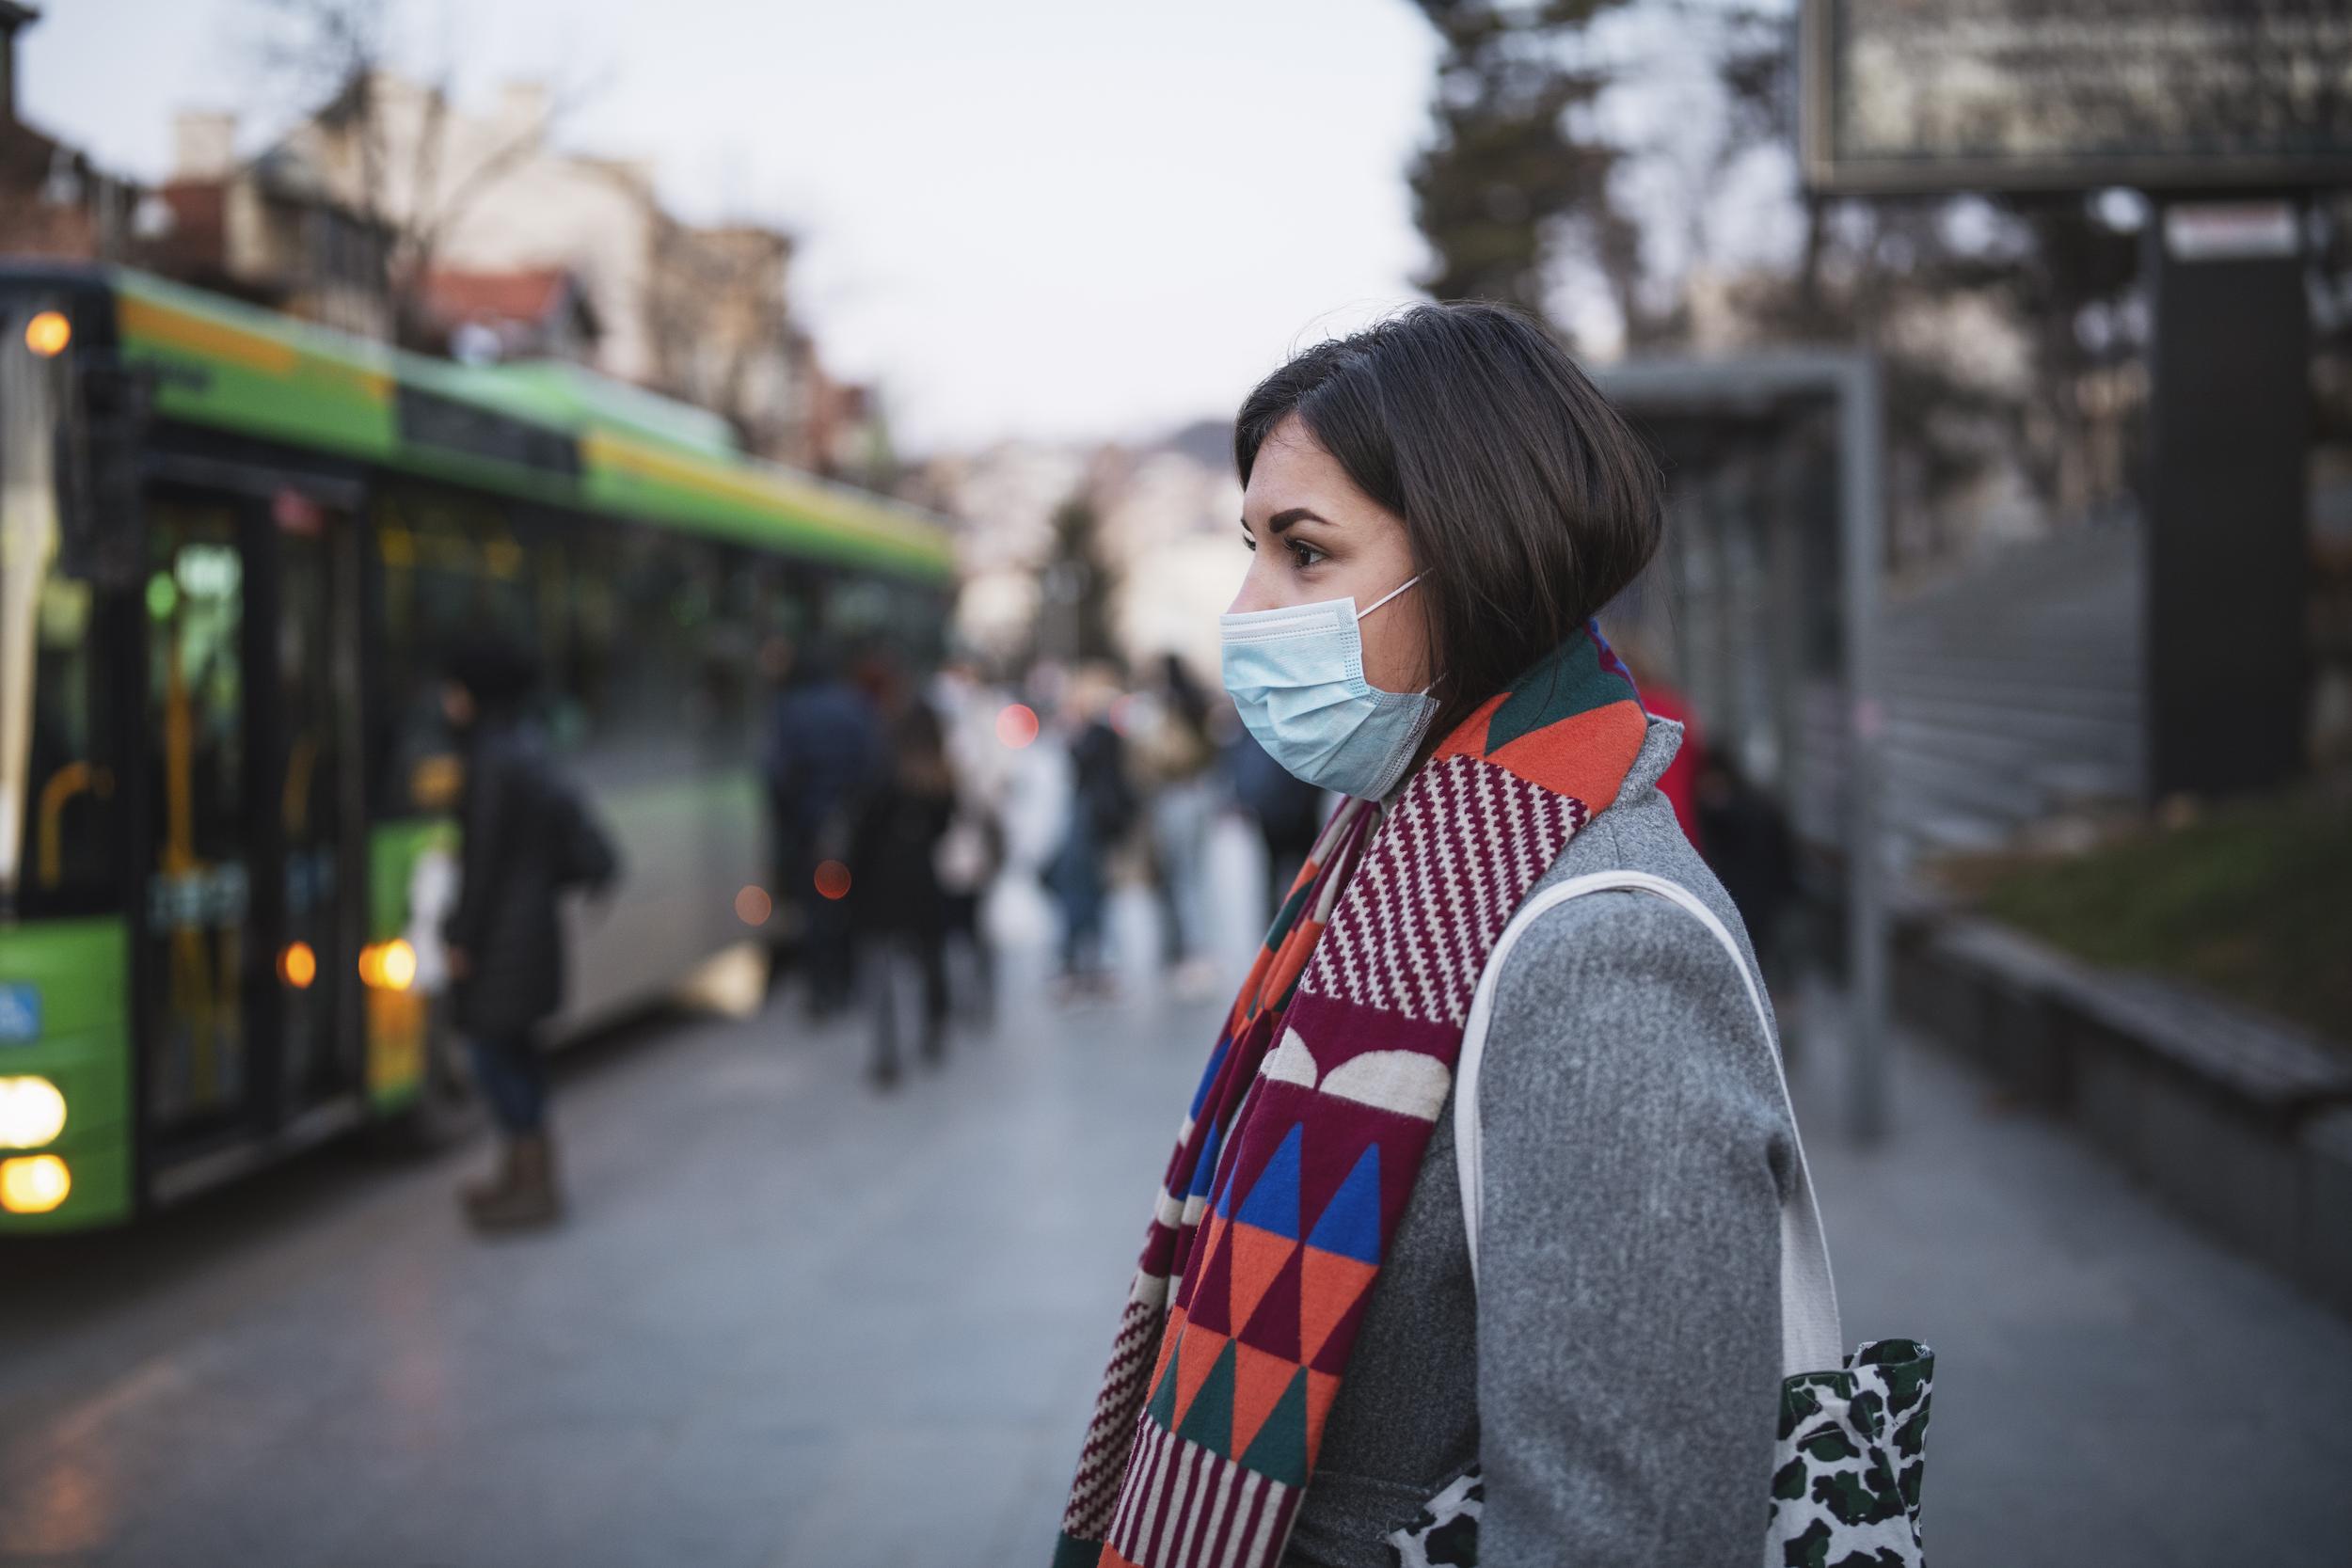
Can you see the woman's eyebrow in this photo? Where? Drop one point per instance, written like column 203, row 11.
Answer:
column 1284, row 518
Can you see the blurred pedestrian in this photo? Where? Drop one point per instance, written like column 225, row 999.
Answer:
column 1101, row 814
column 823, row 753
column 1438, row 507
column 895, row 903
column 1746, row 839
column 972, row 852
column 1176, row 765
column 1287, row 812
column 527, row 835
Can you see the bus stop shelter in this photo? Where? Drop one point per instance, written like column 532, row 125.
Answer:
column 1766, row 594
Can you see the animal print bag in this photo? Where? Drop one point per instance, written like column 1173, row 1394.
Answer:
column 1851, row 1449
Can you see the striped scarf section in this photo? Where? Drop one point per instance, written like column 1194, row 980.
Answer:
column 1306, row 1135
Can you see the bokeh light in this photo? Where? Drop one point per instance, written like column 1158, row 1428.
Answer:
column 48, row 333
column 832, row 880
column 32, row 1113
column 753, row 906
column 1016, row 726
column 34, row 1186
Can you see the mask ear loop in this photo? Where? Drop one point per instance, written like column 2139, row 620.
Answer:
column 1389, row 595
column 1384, row 600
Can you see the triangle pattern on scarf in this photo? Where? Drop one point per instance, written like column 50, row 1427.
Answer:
column 1224, row 1205
column 1280, row 1449
column 1257, row 1258
column 1208, row 1420
column 1259, row 1379
column 1274, row 1326
column 1332, row 1288
column 1169, row 1337
column 1210, row 1304
column 1162, row 1406
column 1195, row 1355
column 1350, row 1222
column 1273, row 1202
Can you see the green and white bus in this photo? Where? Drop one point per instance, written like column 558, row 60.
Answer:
column 232, row 551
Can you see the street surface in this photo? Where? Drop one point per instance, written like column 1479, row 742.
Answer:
column 796, row 1322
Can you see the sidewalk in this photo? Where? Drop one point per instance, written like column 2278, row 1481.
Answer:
column 2111, row 1388
column 795, row 1324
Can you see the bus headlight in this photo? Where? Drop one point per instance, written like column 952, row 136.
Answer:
column 34, row 1185
column 32, row 1113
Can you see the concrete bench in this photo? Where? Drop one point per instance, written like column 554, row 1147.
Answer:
column 2243, row 1122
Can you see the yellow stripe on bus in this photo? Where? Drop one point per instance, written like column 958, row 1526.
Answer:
column 169, row 328
column 602, row 448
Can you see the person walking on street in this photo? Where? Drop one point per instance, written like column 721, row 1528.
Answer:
column 1101, row 813
column 972, row 852
column 823, row 753
column 1574, row 1353
column 896, row 906
column 525, row 836
column 1177, row 761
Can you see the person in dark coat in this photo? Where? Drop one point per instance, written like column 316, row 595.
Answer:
column 525, row 837
column 897, row 907
column 824, row 751
column 1288, row 813
column 1745, row 838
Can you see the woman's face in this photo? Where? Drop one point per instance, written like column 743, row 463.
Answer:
column 1313, row 535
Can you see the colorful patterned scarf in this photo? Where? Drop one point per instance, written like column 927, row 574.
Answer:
column 1307, row 1132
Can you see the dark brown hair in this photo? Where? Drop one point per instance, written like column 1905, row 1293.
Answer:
column 1528, row 501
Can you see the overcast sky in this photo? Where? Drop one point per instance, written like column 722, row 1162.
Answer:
column 1045, row 217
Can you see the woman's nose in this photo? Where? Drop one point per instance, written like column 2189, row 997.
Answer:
column 1256, row 591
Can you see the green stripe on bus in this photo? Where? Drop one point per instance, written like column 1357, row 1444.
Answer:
column 235, row 367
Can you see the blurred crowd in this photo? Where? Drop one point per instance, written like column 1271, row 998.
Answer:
column 898, row 798
column 893, row 809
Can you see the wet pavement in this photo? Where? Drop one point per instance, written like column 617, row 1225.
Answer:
column 794, row 1321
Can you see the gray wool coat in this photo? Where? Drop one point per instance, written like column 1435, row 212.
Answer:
column 1617, row 1376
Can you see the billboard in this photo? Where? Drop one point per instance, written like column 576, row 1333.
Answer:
column 1925, row 96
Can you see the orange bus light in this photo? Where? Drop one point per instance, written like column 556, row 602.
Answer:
column 48, row 333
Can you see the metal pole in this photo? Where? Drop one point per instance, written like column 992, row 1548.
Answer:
column 1861, row 502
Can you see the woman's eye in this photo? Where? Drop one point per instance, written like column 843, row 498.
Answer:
column 1250, row 542
column 1304, row 555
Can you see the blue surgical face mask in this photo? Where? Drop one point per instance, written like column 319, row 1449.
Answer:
column 1297, row 676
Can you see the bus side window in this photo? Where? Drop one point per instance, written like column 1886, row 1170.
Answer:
column 452, row 567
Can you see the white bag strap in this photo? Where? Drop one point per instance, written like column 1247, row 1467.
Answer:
column 1810, row 1340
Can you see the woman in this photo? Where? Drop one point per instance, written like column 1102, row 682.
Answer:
column 1438, row 507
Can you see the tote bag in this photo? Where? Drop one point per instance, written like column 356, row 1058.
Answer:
column 1851, row 1449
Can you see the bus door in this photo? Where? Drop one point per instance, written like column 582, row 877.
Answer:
column 248, row 962
column 313, row 741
